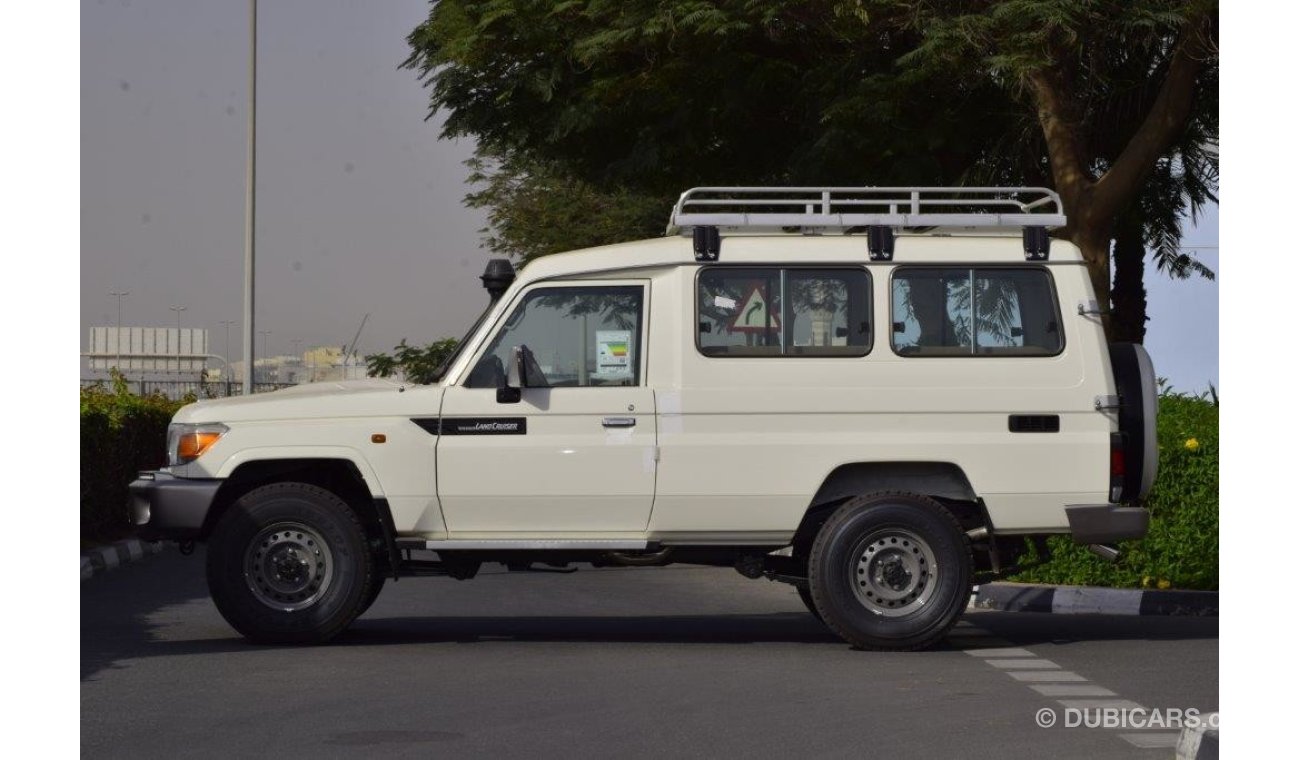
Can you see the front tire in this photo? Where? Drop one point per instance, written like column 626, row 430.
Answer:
column 890, row 571
column 288, row 563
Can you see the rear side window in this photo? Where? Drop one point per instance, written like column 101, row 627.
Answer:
column 784, row 312
column 975, row 312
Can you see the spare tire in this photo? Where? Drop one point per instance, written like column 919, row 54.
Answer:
column 1135, row 381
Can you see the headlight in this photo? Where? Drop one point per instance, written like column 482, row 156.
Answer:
column 187, row 442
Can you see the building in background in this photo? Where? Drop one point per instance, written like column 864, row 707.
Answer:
column 177, row 363
column 317, row 364
column 149, row 352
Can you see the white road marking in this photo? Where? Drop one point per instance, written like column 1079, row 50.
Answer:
column 1046, row 676
column 1152, row 739
column 1025, row 664
column 1100, row 704
column 1000, row 652
column 1072, row 690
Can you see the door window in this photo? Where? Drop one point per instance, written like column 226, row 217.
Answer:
column 580, row 337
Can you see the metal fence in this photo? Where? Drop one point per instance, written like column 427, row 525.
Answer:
column 179, row 389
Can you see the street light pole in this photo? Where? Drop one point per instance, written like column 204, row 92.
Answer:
column 178, row 310
column 228, row 323
column 265, row 354
column 250, row 196
column 118, row 339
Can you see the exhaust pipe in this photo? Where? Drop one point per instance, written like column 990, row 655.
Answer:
column 1107, row 553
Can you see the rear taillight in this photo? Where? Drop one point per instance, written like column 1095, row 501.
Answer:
column 1116, row 467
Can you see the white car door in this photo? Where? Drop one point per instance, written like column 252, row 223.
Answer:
column 576, row 456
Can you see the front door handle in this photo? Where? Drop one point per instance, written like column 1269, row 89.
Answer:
column 618, row 422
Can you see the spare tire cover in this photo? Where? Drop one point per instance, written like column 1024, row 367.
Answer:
column 1135, row 380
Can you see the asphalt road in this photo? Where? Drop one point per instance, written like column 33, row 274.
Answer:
column 663, row 662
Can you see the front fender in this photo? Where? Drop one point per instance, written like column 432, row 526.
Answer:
column 271, row 453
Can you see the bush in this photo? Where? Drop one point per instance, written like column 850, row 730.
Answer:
column 121, row 434
column 1182, row 548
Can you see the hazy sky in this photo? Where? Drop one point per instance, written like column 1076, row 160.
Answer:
column 359, row 203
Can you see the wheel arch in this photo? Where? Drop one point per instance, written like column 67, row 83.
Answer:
column 944, row 482
column 341, row 476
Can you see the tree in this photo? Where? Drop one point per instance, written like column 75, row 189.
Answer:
column 415, row 364
column 1126, row 97
column 535, row 208
column 641, row 98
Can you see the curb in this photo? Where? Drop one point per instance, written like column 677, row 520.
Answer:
column 103, row 558
column 1200, row 743
column 1088, row 600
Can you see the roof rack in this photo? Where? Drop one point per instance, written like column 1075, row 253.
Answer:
column 850, row 208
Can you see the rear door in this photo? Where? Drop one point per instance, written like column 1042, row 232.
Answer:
column 574, row 457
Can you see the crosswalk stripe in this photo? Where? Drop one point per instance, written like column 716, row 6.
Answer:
column 1021, row 664
column 1072, row 690
column 1152, row 739
column 1046, row 676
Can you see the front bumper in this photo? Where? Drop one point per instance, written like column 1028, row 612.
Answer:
column 1106, row 523
column 164, row 506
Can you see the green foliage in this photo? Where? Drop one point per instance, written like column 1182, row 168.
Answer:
column 650, row 97
column 591, row 116
column 535, row 208
column 415, row 364
column 1182, row 548
column 1113, row 55
column 121, row 434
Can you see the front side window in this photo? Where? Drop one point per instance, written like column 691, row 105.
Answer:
column 975, row 312
column 784, row 312
column 580, row 337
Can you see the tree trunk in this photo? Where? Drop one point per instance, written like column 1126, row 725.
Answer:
column 1128, row 322
column 1095, row 245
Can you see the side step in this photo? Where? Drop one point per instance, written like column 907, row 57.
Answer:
column 527, row 544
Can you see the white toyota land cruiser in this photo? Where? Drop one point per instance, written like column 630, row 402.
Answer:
column 872, row 394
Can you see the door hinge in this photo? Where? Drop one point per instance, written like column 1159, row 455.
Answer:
column 1106, row 402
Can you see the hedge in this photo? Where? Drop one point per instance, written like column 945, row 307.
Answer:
column 1182, row 548
column 121, row 434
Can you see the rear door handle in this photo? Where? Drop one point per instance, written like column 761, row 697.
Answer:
column 618, row 422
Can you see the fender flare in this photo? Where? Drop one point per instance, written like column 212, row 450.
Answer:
column 271, row 453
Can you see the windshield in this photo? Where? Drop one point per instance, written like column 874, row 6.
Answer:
column 460, row 345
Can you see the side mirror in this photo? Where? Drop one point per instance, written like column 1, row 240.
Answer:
column 512, row 391
column 518, row 376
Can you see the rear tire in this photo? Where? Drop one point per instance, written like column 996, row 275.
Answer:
column 288, row 563
column 805, row 596
column 890, row 571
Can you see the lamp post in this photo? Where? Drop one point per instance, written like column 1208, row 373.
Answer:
column 178, row 310
column 225, row 368
column 250, row 196
column 265, row 356
column 227, row 323
column 117, row 340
